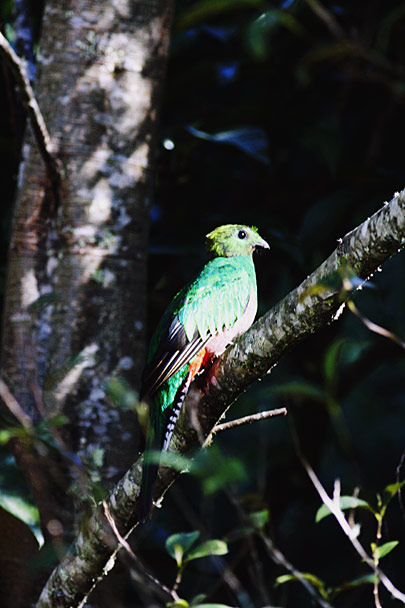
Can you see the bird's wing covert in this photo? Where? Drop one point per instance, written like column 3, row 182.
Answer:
column 216, row 299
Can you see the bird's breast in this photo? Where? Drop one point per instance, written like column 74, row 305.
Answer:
column 218, row 343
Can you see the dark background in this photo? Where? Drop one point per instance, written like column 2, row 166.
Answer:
column 293, row 121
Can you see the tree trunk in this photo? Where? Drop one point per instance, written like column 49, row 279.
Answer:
column 75, row 303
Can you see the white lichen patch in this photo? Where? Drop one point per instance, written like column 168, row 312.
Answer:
column 301, row 307
column 126, row 363
column 96, row 394
column 29, row 289
column 100, row 207
column 364, row 232
column 45, row 289
column 138, row 161
column 108, row 278
column 94, row 163
column 339, row 312
column 122, row 7
column 278, row 332
column 110, row 564
column 128, row 486
column 123, row 219
column 69, row 381
column 51, row 265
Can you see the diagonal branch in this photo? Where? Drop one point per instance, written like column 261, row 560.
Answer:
column 42, row 137
column 300, row 313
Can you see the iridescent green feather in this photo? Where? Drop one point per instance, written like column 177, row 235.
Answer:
column 214, row 301
column 218, row 297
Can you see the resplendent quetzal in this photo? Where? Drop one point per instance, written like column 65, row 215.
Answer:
column 201, row 321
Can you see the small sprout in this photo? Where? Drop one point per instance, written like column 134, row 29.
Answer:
column 259, row 519
column 178, row 544
column 381, row 551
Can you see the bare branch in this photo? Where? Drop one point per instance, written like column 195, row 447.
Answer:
column 225, row 426
column 165, row 592
column 37, row 122
column 279, row 558
column 327, row 17
column 377, row 329
column 15, row 408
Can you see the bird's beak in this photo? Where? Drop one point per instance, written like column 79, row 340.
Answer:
column 262, row 243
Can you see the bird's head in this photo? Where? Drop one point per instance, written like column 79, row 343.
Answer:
column 234, row 239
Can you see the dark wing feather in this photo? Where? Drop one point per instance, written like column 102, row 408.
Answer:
column 173, row 352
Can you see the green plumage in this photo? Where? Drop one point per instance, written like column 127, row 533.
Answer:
column 211, row 311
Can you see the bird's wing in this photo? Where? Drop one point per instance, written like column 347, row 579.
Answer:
column 216, row 299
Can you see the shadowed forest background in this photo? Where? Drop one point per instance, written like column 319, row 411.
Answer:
column 289, row 118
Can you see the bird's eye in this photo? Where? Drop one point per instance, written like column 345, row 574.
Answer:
column 241, row 234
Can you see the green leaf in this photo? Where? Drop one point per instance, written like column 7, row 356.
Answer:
column 180, row 603
column 298, row 388
column 23, row 510
column 209, row 547
column 260, row 518
column 361, row 580
column 212, row 606
column 251, row 140
column 332, row 359
column 5, row 436
column 174, row 461
column 215, row 470
column 260, row 31
column 311, row 578
column 346, row 502
column 120, row 393
column 198, row 599
column 393, row 489
column 386, row 548
column 206, row 9
column 357, row 582
column 178, row 544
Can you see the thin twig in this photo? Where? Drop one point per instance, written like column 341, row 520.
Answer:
column 279, row 558
column 377, row 329
column 327, row 17
column 398, row 473
column 15, row 408
column 164, row 591
column 225, row 426
column 351, row 533
column 43, row 139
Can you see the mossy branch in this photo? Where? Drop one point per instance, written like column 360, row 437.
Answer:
column 302, row 312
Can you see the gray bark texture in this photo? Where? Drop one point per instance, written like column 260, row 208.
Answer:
column 311, row 306
column 75, row 306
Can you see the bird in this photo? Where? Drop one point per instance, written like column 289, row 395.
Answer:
column 199, row 323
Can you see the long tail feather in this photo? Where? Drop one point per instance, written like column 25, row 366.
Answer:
column 158, row 437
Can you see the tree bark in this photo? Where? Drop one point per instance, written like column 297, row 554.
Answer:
column 75, row 304
column 308, row 308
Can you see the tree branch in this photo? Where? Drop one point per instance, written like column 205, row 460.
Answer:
column 302, row 312
column 37, row 122
column 226, row 426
